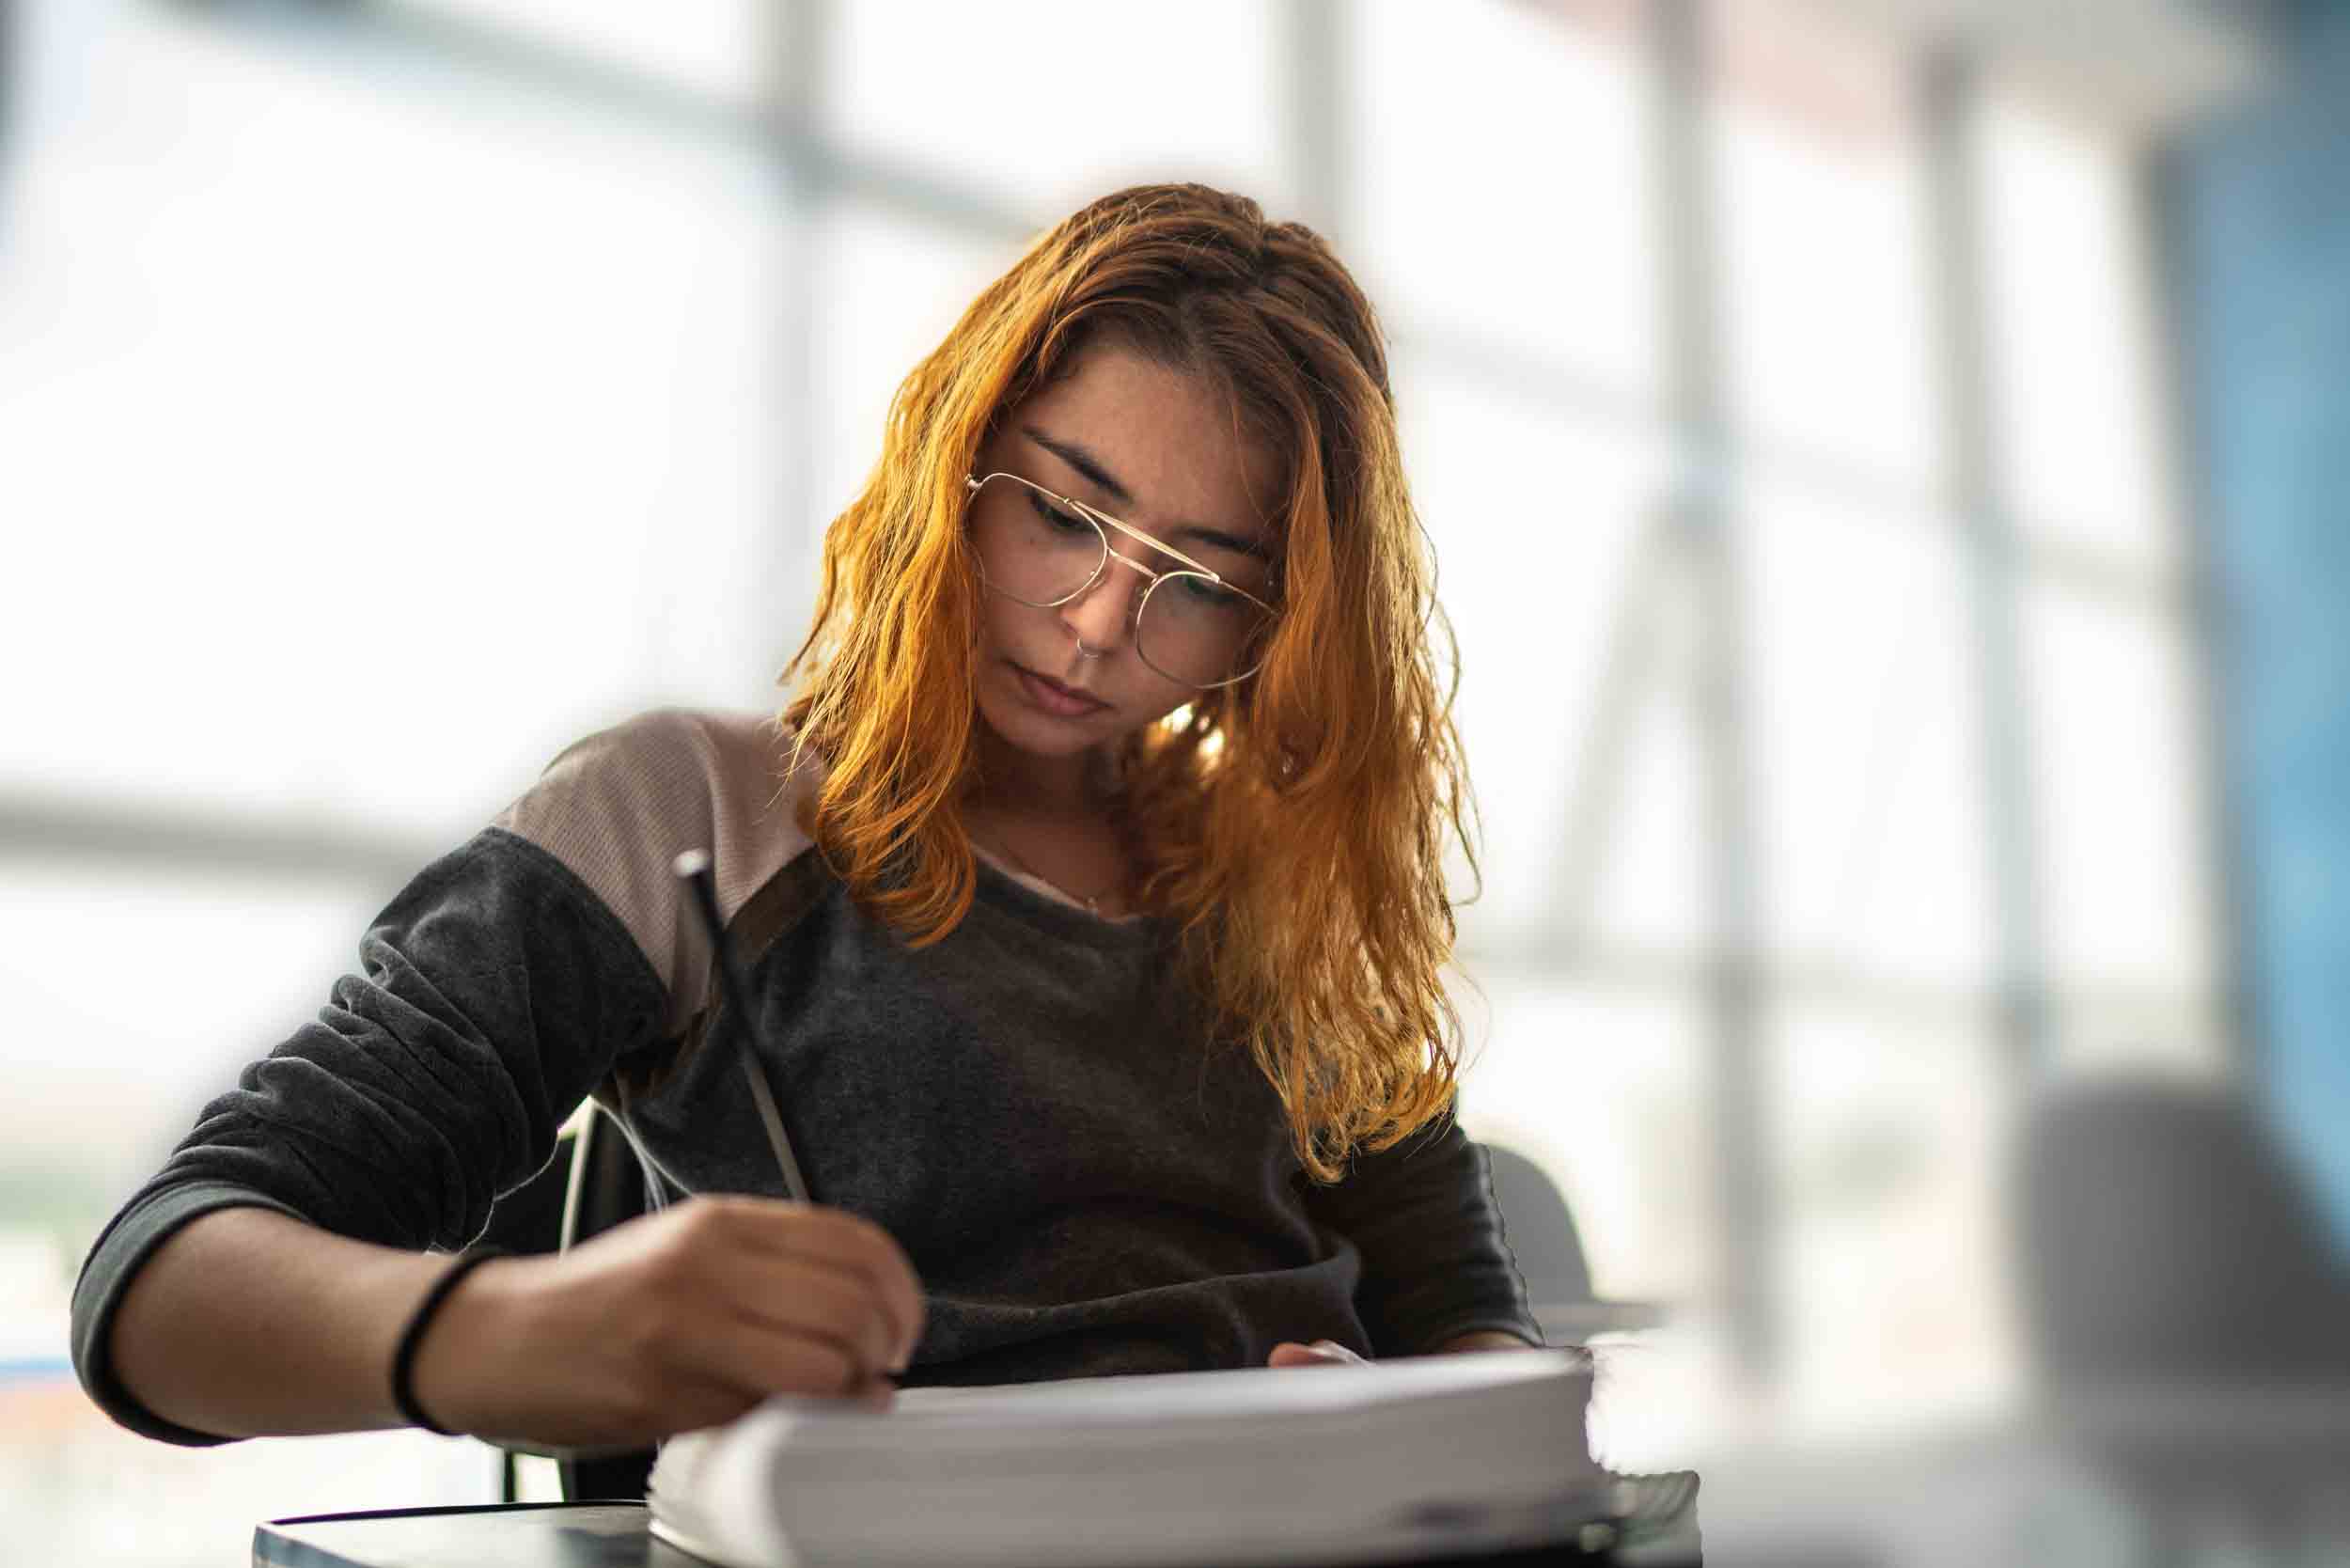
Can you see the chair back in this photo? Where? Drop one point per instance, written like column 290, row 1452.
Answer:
column 592, row 1182
column 2163, row 1238
column 1540, row 1230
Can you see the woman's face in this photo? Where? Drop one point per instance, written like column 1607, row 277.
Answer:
column 1157, row 450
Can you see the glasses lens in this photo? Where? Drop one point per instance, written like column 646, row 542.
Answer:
column 1033, row 546
column 1195, row 630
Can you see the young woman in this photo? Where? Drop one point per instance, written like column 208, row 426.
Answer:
column 1090, row 891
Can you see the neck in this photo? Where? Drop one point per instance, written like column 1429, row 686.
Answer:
column 1014, row 783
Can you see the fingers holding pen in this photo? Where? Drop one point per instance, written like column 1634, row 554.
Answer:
column 859, row 1279
column 813, row 1300
column 675, row 1320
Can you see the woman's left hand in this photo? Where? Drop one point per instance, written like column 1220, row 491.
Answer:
column 1329, row 1353
column 1322, row 1353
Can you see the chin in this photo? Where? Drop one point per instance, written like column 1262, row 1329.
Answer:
column 1024, row 729
column 1042, row 740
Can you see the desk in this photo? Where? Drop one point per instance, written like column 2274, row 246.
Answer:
column 618, row 1535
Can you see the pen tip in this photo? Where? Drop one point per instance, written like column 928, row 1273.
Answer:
column 691, row 863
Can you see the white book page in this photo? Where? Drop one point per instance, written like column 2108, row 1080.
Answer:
column 1250, row 1393
column 1278, row 1460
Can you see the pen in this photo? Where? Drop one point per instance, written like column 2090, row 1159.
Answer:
column 693, row 868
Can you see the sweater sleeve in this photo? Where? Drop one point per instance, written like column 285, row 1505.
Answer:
column 496, row 991
column 1436, row 1263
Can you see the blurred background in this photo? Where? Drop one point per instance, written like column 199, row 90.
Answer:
column 1886, row 459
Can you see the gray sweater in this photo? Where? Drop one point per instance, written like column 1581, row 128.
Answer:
column 1085, row 1181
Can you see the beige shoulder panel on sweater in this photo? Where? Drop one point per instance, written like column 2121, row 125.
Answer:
column 619, row 806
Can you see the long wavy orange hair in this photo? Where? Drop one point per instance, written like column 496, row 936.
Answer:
column 1294, row 825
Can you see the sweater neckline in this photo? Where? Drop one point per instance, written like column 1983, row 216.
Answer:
column 1038, row 900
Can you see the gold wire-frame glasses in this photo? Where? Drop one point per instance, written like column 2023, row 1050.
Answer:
column 1101, row 521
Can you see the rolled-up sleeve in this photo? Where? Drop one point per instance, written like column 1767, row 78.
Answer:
column 1437, row 1260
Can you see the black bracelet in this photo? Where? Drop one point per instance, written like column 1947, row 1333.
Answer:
column 405, row 1358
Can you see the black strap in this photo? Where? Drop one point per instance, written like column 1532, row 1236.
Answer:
column 405, row 1358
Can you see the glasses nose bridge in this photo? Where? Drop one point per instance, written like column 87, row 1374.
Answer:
column 1147, row 578
column 1148, row 574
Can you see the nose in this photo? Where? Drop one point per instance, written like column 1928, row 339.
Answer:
column 1103, row 615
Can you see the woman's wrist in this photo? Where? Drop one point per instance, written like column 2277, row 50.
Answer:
column 462, row 1352
column 422, row 1319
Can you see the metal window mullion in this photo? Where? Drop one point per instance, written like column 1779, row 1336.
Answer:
column 1701, row 514
column 1318, row 62
column 2223, row 838
column 792, row 107
column 1949, row 98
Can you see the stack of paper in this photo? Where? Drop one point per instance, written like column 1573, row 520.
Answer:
column 1323, row 1464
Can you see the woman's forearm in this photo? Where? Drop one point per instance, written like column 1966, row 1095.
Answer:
column 248, row 1323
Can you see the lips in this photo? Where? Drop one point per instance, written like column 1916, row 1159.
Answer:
column 1055, row 699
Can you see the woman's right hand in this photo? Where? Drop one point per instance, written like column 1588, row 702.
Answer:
column 681, row 1319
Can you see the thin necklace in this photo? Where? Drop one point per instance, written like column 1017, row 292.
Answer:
column 1092, row 900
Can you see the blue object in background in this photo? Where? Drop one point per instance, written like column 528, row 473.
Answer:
column 2261, row 230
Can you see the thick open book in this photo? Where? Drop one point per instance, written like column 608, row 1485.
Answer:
column 1416, row 1457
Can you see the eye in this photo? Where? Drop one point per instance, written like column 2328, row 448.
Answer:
column 1067, row 522
column 1209, row 593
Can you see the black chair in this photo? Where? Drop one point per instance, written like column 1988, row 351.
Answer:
column 2187, row 1306
column 1542, row 1234
column 592, row 1182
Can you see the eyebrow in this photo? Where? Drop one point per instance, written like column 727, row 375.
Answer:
column 1083, row 460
